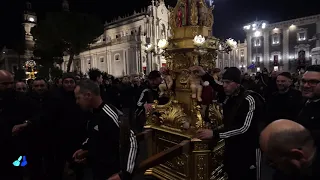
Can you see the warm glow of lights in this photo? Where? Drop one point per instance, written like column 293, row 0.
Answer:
column 264, row 25
column 257, row 33
column 291, row 57
column 258, row 69
column 199, row 40
column 31, row 19
column 254, row 25
column 163, row 44
column 232, row 43
column 292, row 27
column 149, row 47
column 276, row 68
column 247, row 27
column 276, row 29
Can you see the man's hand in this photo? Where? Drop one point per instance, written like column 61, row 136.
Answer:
column 114, row 177
column 18, row 128
column 200, row 70
column 204, row 134
column 80, row 156
column 148, row 107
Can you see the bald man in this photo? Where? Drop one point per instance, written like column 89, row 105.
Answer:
column 291, row 150
column 6, row 81
column 15, row 113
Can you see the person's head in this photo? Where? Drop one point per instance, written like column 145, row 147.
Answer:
column 125, row 80
column 246, row 76
column 154, row 79
column 6, row 81
column 274, row 74
column 68, row 82
column 288, row 146
column 284, row 81
column 96, row 76
column 231, row 80
column 39, row 86
column 58, row 82
column 87, row 94
column 78, row 79
column 310, row 82
column 21, row 87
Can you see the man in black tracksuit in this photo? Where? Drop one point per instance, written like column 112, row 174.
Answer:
column 147, row 98
column 242, row 111
column 101, row 148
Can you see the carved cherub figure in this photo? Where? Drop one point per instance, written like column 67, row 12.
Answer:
column 167, row 81
column 195, row 83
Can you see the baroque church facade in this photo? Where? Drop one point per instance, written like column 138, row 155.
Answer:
column 11, row 60
column 121, row 49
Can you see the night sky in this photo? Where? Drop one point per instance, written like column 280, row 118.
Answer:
column 230, row 15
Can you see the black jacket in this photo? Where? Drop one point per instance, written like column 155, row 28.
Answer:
column 242, row 114
column 309, row 117
column 103, row 144
column 284, row 106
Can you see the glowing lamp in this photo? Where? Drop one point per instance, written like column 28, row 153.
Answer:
column 257, row 33
column 163, row 44
column 232, row 43
column 199, row 40
column 31, row 19
column 149, row 47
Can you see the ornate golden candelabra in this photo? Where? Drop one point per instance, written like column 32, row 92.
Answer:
column 191, row 44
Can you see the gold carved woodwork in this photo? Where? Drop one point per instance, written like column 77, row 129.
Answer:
column 194, row 13
column 181, row 118
column 202, row 160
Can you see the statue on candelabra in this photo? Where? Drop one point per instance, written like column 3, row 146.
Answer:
column 195, row 84
column 167, row 81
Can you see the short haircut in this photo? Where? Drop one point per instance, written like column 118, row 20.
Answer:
column 154, row 75
column 314, row 68
column 89, row 85
column 282, row 142
column 94, row 74
column 40, row 79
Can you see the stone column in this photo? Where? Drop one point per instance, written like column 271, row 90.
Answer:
column 318, row 34
column 285, row 55
column 109, row 62
column 249, row 50
column 266, row 53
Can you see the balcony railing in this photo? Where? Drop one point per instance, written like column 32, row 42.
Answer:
column 125, row 39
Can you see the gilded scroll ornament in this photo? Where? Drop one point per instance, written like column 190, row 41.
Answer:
column 194, row 13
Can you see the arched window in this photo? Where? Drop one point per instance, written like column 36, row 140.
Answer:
column 117, row 57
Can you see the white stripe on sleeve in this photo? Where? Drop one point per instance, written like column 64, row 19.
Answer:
column 247, row 121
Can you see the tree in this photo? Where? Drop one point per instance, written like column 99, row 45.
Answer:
column 65, row 32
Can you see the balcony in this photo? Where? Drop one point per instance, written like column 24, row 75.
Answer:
column 125, row 39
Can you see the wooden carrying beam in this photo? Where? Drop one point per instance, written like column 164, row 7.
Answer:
column 163, row 156
column 144, row 135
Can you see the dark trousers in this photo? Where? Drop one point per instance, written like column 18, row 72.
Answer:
column 36, row 166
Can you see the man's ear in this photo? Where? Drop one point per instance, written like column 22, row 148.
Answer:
column 87, row 94
column 297, row 157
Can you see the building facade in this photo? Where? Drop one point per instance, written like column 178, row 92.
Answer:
column 10, row 59
column 236, row 58
column 121, row 50
column 282, row 46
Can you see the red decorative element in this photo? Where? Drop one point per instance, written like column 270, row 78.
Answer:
column 164, row 64
column 144, row 68
column 179, row 18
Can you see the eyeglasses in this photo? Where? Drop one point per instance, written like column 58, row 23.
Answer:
column 311, row 82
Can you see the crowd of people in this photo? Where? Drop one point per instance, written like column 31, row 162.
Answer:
column 74, row 122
